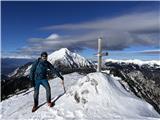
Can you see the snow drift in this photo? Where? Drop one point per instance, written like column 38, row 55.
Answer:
column 103, row 97
column 97, row 96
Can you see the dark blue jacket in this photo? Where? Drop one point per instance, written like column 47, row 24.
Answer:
column 39, row 70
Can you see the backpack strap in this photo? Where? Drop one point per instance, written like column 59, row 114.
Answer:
column 36, row 64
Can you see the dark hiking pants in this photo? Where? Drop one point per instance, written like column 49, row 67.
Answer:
column 46, row 85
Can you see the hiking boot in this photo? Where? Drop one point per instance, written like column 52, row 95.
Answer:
column 50, row 104
column 34, row 108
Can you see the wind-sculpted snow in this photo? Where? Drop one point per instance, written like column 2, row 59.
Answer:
column 96, row 96
column 103, row 97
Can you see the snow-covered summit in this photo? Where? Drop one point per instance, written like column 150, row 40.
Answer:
column 69, row 59
column 59, row 54
column 96, row 96
column 103, row 97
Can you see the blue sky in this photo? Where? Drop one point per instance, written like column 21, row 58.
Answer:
column 129, row 29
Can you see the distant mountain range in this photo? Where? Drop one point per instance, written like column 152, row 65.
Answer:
column 8, row 65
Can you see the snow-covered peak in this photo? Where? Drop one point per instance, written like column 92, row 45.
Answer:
column 69, row 59
column 61, row 52
column 135, row 61
column 64, row 50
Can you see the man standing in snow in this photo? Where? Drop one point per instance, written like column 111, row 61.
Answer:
column 38, row 75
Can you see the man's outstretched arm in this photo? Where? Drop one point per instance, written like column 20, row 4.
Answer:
column 55, row 71
column 58, row 74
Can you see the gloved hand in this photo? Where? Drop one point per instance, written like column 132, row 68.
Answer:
column 62, row 82
column 62, row 78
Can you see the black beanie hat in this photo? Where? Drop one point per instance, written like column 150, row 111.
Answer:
column 44, row 53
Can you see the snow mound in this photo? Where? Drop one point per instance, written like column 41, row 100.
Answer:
column 101, row 97
column 136, row 61
column 68, row 58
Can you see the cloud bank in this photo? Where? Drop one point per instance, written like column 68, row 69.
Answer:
column 120, row 32
column 150, row 52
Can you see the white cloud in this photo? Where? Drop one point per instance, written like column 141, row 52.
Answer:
column 131, row 22
column 118, row 33
column 53, row 36
column 18, row 55
column 150, row 52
